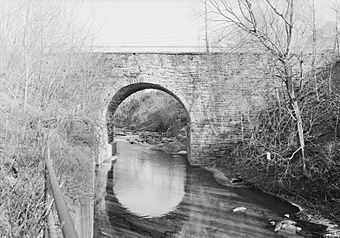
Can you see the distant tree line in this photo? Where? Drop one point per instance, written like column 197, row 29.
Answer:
column 152, row 111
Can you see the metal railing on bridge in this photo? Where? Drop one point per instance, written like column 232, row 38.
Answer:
column 65, row 219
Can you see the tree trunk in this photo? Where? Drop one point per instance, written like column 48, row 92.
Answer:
column 297, row 113
column 314, row 52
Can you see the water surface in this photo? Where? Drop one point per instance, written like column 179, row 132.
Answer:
column 148, row 183
column 153, row 194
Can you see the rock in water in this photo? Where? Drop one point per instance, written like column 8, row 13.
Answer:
column 114, row 158
column 236, row 180
column 239, row 209
column 278, row 226
column 272, row 223
column 287, row 226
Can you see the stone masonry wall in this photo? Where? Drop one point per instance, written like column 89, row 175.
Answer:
column 214, row 89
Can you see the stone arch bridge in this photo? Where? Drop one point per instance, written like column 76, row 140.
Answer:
column 213, row 88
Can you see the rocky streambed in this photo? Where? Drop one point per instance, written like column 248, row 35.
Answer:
column 156, row 141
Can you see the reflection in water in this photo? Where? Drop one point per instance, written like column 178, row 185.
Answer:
column 148, row 184
column 158, row 195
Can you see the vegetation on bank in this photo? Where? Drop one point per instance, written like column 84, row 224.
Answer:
column 152, row 110
column 41, row 103
column 266, row 155
column 291, row 145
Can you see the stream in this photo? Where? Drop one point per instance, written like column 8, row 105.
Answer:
column 149, row 193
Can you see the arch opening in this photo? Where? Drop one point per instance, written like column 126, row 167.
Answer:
column 127, row 91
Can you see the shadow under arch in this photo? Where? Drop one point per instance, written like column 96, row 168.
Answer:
column 130, row 89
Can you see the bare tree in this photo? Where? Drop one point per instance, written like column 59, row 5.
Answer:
column 41, row 90
column 273, row 25
column 336, row 47
column 314, row 50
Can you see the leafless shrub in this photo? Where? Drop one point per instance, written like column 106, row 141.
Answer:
column 40, row 92
column 270, row 144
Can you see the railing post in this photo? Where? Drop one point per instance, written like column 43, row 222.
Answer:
column 62, row 210
column 113, row 148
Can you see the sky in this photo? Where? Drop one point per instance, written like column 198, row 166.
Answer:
column 155, row 25
column 145, row 23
